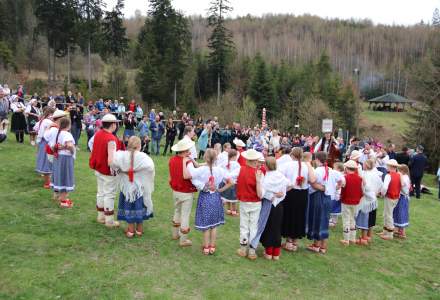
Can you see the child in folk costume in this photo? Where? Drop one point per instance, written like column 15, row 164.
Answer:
column 391, row 191
column 351, row 195
column 43, row 165
column 222, row 158
column 336, row 198
column 136, row 184
column 209, row 212
column 300, row 175
column 105, row 145
column 63, row 145
column 271, row 214
column 240, row 146
column 319, row 207
column 366, row 215
column 401, row 211
column 249, row 193
column 356, row 156
column 230, row 195
column 183, row 190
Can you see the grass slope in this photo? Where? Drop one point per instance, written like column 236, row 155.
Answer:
column 50, row 253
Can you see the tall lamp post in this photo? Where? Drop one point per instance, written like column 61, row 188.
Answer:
column 357, row 73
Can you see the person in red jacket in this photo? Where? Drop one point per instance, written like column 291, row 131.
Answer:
column 351, row 195
column 183, row 190
column 105, row 145
column 249, row 193
column 391, row 191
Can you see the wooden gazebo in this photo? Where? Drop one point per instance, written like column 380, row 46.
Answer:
column 389, row 102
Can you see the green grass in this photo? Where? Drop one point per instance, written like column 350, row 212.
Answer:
column 50, row 253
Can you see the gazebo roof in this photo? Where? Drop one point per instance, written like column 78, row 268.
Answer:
column 390, row 98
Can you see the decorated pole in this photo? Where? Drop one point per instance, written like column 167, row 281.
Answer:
column 263, row 118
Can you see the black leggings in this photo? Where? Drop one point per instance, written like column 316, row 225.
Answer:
column 19, row 136
column 169, row 142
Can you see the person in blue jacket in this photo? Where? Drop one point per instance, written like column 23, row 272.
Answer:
column 157, row 130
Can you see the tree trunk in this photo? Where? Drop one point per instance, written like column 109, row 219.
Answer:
column 53, row 67
column 68, row 66
column 175, row 94
column 48, row 62
column 218, row 90
column 89, row 66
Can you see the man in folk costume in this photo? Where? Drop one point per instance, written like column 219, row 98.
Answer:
column 391, row 191
column 183, row 191
column 329, row 145
column 105, row 145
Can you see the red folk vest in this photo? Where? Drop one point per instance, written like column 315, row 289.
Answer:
column 247, row 185
column 99, row 158
column 394, row 187
column 177, row 182
column 352, row 193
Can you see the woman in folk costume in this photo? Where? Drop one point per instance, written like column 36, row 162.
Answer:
column 391, row 188
column 43, row 165
column 33, row 114
column 401, row 211
column 232, row 168
column 295, row 205
column 319, row 206
column 355, row 156
column 105, row 145
column 271, row 214
column 136, row 183
column 18, row 121
column 329, row 145
column 366, row 210
column 209, row 212
column 63, row 147
column 240, row 146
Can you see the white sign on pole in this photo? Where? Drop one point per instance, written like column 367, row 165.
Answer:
column 327, row 125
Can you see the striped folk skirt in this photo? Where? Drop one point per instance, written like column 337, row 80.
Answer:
column 43, row 165
column 132, row 212
column 318, row 215
column 63, row 179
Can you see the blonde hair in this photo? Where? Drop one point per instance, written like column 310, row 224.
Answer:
column 232, row 153
column 226, row 145
column 271, row 163
column 403, row 169
column 210, row 157
column 338, row 166
column 297, row 153
column 218, row 148
column 134, row 143
column 307, row 157
column 369, row 164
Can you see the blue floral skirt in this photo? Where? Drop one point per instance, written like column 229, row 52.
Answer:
column 401, row 212
column 318, row 216
column 209, row 211
column 132, row 212
column 336, row 208
column 229, row 195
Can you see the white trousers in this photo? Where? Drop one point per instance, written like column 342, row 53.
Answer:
column 182, row 209
column 388, row 220
column 249, row 215
column 105, row 197
column 349, row 222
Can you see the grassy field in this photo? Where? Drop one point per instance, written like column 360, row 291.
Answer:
column 50, row 253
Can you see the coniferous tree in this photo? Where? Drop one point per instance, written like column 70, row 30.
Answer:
column 114, row 37
column 261, row 88
column 436, row 18
column 163, row 51
column 90, row 12
column 220, row 44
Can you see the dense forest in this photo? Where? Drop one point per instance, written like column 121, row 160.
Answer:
column 301, row 68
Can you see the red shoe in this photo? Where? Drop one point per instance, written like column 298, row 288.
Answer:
column 66, row 203
column 46, row 186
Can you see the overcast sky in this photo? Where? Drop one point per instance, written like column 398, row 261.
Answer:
column 405, row 12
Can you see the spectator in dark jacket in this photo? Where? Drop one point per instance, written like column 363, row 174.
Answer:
column 157, row 130
column 417, row 166
column 403, row 157
column 170, row 135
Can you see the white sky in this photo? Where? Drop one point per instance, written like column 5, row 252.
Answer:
column 406, row 12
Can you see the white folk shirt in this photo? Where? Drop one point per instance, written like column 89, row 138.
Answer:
column 200, row 176
column 274, row 182
column 63, row 138
column 41, row 127
column 193, row 149
column 222, row 159
column 290, row 170
column 330, row 183
column 16, row 106
column 233, row 170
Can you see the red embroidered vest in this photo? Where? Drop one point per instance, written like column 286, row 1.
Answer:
column 99, row 158
column 394, row 187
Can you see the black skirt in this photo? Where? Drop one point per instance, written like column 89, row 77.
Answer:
column 294, row 217
column 271, row 236
column 372, row 218
column 18, row 122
